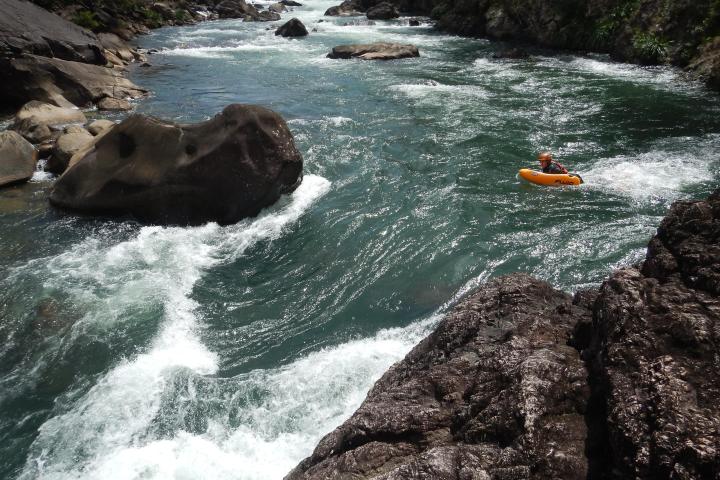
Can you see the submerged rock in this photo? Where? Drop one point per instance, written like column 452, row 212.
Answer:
column 293, row 28
column 222, row 170
column 375, row 51
column 493, row 392
column 512, row 54
column 17, row 158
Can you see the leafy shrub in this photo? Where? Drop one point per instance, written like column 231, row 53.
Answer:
column 86, row 19
column 649, row 47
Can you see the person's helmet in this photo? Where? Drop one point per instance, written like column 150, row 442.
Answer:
column 545, row 157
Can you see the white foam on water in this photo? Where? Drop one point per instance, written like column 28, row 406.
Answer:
column 219, row 51
column 440, row 92
column 659, row 175
column 160, row 265
column 40, row 175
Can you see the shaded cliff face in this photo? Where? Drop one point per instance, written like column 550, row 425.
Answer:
column 521, row 381
column 680, row 32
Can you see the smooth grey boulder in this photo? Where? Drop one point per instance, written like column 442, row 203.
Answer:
column 114, row 104
column 375, row 51
column 17, row 158
column 67, row 145
column 277, row 7
column 97, row 126
column 221, row 170
column 35, row 120
column 292, row 28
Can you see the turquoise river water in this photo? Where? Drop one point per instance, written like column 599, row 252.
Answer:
column 133, row 352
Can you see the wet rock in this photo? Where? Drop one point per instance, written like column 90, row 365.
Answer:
column 383, row 11
column 98, row 126
column 67, row 144
column 17, row 158
column 240, row 9
column 277, row 7
column 114, row 104
column 348, row 8
column 654, row 355
column 293, row 28
column 222, row 170
column 414, row 22
column 493, row 392
column 375, row 51
column 117, row 46
column 291, row 3
column 35, row 120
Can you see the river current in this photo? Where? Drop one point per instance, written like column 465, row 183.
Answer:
column 135, row 352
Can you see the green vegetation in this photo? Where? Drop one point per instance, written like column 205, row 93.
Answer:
column 86, row 19
column 649, row 47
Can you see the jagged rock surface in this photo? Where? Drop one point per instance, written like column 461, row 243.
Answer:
column 499, row 390
column 222, row 170
column 494, row 392
column 655, row 355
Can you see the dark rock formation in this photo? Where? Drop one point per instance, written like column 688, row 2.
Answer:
column 291, row 3
column 383, row 11
column 493, row 392
column 654, row 356
column 27, row 28
column 293, row 28
column 240, row 9
column 499, row 390
column 44, row 57
column 348, row 8
column 222, row 170
column 684, row 33
column 375, row 51
column 414, row 22
column 17, row 158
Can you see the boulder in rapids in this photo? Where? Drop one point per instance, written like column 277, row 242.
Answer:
column 375, row 51
column 98, row 126
column 291, row 3
column 17, row 158
column 277, row 7
column 383, row 11
column 348, row 8
column 292, row 28
column 67, row 145
column 222, row 170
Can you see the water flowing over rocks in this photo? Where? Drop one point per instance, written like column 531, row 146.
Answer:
column 375, row 51
column 222, row 170
column 36, row 120
column 292, row 28
column 17, row 158
column 521, row 381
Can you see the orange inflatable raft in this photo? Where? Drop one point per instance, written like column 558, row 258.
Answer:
column 550, row 179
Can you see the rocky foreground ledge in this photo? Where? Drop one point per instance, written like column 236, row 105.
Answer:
column 523, row 381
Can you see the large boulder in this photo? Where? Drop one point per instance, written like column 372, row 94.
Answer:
column 53, row 80
column 348, row 8
column 654, row 365
column 27, row 28
column 236, row 9
column 98, row 126
column 375, row 51
column 36, row 120
column 67, row 145
column 383, row 11
column 17, row 158
column 277, row 7
column 222, row 170
column 292, row 28
column 494, row 392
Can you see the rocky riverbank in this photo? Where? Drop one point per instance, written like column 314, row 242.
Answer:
column 523, row 381
column 683, row 33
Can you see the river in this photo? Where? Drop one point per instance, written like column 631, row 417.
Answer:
column 213, row 352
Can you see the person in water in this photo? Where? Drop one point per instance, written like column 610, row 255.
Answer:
column 549, row 165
